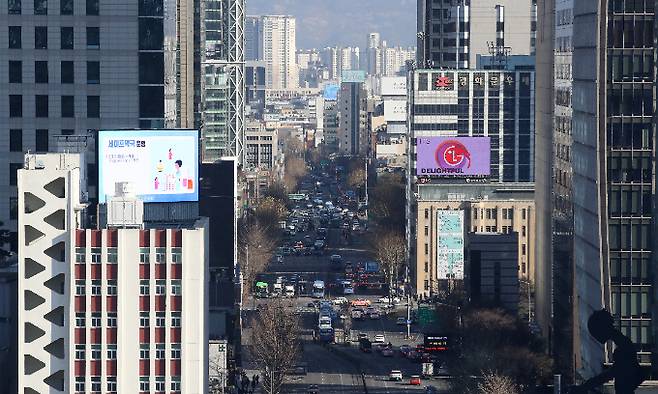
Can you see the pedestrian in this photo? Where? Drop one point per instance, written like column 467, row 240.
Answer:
column 256, row 379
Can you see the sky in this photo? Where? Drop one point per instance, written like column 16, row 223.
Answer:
column 322, row 23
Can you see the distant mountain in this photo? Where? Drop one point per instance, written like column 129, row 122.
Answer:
column 322, row 23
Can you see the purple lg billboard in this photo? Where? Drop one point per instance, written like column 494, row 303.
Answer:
column 453, row 156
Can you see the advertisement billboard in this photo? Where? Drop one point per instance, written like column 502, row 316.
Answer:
column 395, row 110
column 394, row 86
column 353, row 76
column 453, row 156
column 331, row 92
column 450, row 244
column 159, row 165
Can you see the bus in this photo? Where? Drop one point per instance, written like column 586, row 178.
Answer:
column 318, row 289
column 262, row 290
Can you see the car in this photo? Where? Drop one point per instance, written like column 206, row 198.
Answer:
column 404, row 350
column 387, row 352
column 313, row 389
column 279, row 259
column 415, row 380
column 379, row 338
column 374, row 315
column 362, row 335
column 340, row 301
column 386, row 300
column 401, row 321
column 395, row 375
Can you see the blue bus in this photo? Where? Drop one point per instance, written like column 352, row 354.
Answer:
column 326, row 334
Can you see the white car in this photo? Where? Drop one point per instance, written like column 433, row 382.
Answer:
column 379, row 338
column 395, row 375
column 385, row 300
column 340, row 301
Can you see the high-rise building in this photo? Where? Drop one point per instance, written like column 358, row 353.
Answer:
column 117, row 309
column 373, row 63
column 451, row 34
column 279, row 51
column 85, row 66
column 255, row 88
column 554, row 282
column 613, row 182
column 352, row 131
column 329, row 57
column 253, row 37
column 394, row 60
column 223, row 80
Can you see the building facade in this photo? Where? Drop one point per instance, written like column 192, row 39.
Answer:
column 352, row 130
column 261, row 149
column 253, row 37
column 497, row 104
column 373, row 63
column 614, row 175
column 279, row 51
column 223, row 81
column 451, row 34
column 481, row 215
column 81, row 329
column 255, row 89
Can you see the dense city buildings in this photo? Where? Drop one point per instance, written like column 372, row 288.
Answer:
column 81, row 327
column 373, row 63
column 223, row 79
column 279, row 51
column 614, row 152
column 451, row 34
column 84, row 67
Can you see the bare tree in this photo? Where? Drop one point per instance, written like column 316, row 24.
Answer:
column 497, row 384
column 390, row 249
column 275, row 340
column 268, row 213
column 295, row 169
column 256, row 247
column 357, row 177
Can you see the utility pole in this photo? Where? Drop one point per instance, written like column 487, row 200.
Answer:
column 406, row 291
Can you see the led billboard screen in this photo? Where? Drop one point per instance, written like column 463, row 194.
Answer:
column 453, row 156
column 160, row 165
column 353, row 76
column 450, row 244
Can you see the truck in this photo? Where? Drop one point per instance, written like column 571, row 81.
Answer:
column 262, row 290
column 336, row 262
column 290, row 291
column 371, row 267
column 348, row 287
column 318, row 289
column 277, row 289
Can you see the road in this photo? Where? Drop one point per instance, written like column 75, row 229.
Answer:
column 341, row 368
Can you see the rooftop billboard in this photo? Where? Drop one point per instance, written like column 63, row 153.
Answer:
column 331, row 92
column 395, row 110
column 453, row 156
column 160, row 165
column 353, row 76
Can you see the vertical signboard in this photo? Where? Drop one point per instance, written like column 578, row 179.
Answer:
column 450, row 244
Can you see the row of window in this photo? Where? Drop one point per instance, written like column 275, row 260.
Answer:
column 145, row 321
column 96, row 319
column 42, row 106
column 144, row 385
column 41, row 37
column 145, row 352
column 80, row 287
column 15, row 7
column 41, row 73
column 16, row 140
column 160, row 287
column 144, row 255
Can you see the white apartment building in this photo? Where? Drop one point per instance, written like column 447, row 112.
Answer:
column 112, row 310
column 279, row 51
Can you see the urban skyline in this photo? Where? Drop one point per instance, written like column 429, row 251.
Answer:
column 269, row 197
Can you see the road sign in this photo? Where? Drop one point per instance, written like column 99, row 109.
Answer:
column 427, row 316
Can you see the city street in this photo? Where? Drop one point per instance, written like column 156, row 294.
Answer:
column 341, row 368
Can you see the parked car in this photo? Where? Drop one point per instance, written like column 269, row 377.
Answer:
column 395, row 375
column 415, row 380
